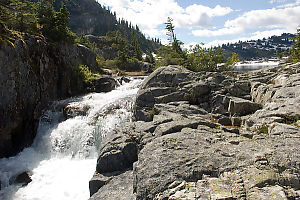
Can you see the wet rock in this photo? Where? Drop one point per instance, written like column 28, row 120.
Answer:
column 75, row 109
column 22, row 178
column 123, row 79
column 105, row 84
column 97, row 181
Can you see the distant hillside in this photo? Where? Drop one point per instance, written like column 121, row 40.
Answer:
column 89, row 17
column 258, row 49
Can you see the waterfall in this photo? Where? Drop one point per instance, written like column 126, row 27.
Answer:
column 63, row 157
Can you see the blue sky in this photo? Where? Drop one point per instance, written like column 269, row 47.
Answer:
column 212, row 22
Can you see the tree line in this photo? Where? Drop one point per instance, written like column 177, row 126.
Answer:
column 37, row 18
column 196, row 58
column 41, row 18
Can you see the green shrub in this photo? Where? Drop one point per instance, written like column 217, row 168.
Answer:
column 86, row 75
column 263, row 129
column 83, row 40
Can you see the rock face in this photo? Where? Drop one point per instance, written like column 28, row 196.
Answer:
column 32, row 74
column 207, row 136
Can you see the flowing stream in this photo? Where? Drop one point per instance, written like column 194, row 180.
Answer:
column 63, row 156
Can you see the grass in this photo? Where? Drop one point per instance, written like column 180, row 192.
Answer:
column 264, row 129
column 85, row 74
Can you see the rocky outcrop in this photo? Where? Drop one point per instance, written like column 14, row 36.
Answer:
column 32, row 74
column 147, row 67
column 105, row 84
column 207, row 136
column 74, row 109
column 22, row 178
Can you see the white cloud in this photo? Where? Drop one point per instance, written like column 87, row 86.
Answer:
column 150, row 14
column 284, row 19
column 277, row 1
column 199, row 16
column 218, row 32
column 296, row 3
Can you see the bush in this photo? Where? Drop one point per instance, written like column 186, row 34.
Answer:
column 295, row 50
column 129, row 64
column 85, row 74
column 264, row 129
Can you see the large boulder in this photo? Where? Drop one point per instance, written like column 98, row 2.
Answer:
column 105, row 84
column 241, row 107
column 117, row 155
column 22, row 178
column 169, row 84
column 147, row 67
column 75, row 109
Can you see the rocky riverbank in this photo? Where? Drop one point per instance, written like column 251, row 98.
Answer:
column 207, row 136
column 34, row 73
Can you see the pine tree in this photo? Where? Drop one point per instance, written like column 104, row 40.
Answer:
column 55, row 24
column 136, row 46
column 295, row 50
column 172, row 37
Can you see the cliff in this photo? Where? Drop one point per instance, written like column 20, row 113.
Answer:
column 207, row 136
column 34, row 73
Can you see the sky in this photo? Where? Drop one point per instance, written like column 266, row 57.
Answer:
column 212, row 22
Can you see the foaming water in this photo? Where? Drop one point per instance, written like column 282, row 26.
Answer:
column 63, row 156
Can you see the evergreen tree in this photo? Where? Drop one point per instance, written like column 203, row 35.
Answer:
column 54, row 24
column 295, row 50
column 172, row 36
column 136, row 46
column 149, row 57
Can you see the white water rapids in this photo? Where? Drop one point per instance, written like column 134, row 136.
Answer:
column 63, row 156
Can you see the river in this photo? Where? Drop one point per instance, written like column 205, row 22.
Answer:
column 253, row 65
column 63, row 157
